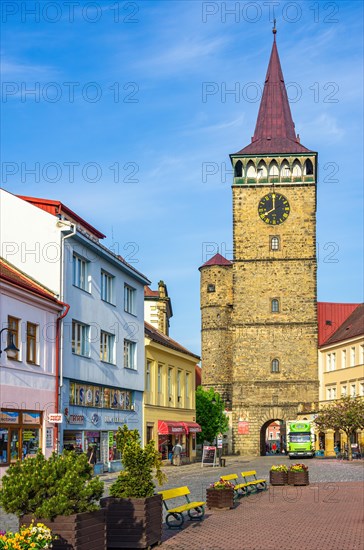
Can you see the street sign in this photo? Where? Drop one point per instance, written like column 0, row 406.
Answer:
column 55, row 418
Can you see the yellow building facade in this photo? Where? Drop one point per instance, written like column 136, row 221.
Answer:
column 169, row 396
column 341, row 373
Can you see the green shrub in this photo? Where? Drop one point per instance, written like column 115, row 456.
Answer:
column 136, row 480
column 46, row 488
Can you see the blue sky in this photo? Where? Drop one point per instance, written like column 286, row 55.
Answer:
column 134, row 93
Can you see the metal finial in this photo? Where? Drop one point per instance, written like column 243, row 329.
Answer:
column 274, row 28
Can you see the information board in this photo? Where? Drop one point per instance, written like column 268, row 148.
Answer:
column 208, row 456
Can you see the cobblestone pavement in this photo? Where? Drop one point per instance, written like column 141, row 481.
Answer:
column 328, row 507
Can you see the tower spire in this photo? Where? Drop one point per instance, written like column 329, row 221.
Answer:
column 274, row 130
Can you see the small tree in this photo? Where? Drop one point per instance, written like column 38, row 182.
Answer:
column 210, row 414
column 136, row 480
column 59, row 486
column 346, row 414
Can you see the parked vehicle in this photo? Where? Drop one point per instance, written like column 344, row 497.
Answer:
column 300, row 439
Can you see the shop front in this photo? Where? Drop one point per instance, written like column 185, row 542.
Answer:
column 169, row 432
column 92, row 419
column 20, row 435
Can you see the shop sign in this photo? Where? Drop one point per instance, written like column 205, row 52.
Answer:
column 31, row 418
column 9, row 417
column 76, row 419
column 243, row 427
column 55, row 418
column 114, row 419
column 111, row 439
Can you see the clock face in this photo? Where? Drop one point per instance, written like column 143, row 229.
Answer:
column 273, row 209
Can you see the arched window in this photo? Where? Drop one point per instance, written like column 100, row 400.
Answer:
column 308, row 168
column 274, row 243
column 239, row 169
column 250, row 170
column 273, row 168
column 274, row 305
column 275, row 365
column 297, row 170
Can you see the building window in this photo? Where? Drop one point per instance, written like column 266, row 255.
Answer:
column 274, row 305
column 107, row 347
column 353, row 390
column 352, row 356
column 160, row 378
column 344, row 391
column 239, row 169
column 187, row 388
column 328, row 362
column 343, row 359
column 333, row 361
column 169, row 384
column 210, row 288
column 130, row 299
column 107, row 287
column 274, row 243
column 13, row 326
column 179, row 389
column 275, row 365
column 80, row 272
column 80, row 339
column 361, row 389
column 148, row 376
column 129, row 354
column 361, row 354
column 331, row 393
column 32, row 343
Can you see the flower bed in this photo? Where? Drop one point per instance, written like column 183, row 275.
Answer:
column 220, row 495
column 298, row 475
column 36, row 536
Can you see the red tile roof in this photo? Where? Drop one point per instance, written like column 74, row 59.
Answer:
column 274, row 130
column 153, row 334
column 352, row 326
column 149, row 292
column 330, row 317
column 57, row 207
column 12, row 275
column 217, row 260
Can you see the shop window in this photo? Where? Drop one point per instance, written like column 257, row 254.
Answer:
column 13, row 326
column 32, row 351
column 22, row 438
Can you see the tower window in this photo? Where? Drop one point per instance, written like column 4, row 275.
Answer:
column 210, row 288
column 274, row 305
column 275, row 365
column 238, row 169
column 274, row 243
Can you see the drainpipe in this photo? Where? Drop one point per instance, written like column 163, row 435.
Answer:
column 58, row 330
column 69, row 227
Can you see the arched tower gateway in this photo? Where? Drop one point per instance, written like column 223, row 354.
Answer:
column 273, row 321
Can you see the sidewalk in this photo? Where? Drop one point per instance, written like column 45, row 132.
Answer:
column 316, row 517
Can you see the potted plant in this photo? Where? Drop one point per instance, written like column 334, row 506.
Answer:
column 37, row 536
column 220, row 495
column 298, row 474
column 278, row 475
column 134, row 511
column 59, row 492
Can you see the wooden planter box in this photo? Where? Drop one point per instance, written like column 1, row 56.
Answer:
column 86, row 531
column 298, row 478
column 133, row 522
column 220, row 499
column 278, row 478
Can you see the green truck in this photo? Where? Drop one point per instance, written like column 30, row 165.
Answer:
column 300, row 439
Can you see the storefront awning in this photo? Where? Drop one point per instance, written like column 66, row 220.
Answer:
column 192, row 427
column 171, row 427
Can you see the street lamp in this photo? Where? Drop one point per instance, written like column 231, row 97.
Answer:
column 11, row 350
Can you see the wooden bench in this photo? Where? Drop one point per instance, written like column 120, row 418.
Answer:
column 195, row 510
column 253, row 485
column 240, row 489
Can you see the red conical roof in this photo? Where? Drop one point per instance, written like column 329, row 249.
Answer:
column 274, row 131
column 217, row 260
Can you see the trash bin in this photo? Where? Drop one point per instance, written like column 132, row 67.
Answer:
column 222, row 462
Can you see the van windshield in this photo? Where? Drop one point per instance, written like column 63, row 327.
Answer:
column 299, row 438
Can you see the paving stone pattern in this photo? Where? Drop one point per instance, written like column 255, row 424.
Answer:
column 326, row 514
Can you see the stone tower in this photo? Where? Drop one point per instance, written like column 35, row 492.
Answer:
column 271, row 327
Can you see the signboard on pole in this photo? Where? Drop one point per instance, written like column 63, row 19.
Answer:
column 208, row 456
column 243, row 427
column 55, row 418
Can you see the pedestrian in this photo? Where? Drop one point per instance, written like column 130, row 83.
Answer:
column 91, row 454
column 274, row 448
column 177, row 449
column 170, row 452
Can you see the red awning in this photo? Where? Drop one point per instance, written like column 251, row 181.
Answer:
column 170, row 427
column 192, row 427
